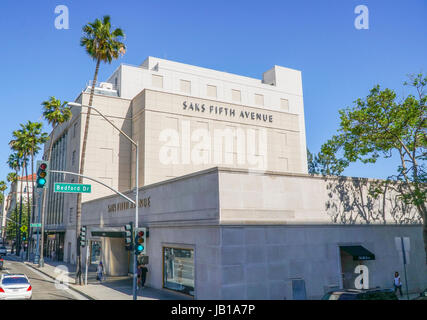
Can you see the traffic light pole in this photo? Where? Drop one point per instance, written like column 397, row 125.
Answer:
column 87, row 261
column 37, row 256
column 136, row 220
column 73, row 104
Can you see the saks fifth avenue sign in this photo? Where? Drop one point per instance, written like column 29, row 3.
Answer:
column 225, row 111
column 121, row 206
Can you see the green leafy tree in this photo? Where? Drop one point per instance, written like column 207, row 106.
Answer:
column 56, row 113
column 13, row 222
column 381, row 126
column 103, row 45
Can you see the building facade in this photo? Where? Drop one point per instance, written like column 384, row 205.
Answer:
column 226, row 233
column 20, row 189
column 224, row 189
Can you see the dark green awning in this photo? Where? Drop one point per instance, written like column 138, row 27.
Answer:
column 358, row 252
column 111, row 232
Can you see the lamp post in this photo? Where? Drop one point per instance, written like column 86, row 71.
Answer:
column 73, row 104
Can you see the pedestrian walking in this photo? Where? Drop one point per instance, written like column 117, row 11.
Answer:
column 142, row 275
column 100, row 271
column 397, row 283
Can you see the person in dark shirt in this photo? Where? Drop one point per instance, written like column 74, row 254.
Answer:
column 142, row 275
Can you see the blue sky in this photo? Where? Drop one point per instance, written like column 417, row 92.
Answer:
column 338, row 62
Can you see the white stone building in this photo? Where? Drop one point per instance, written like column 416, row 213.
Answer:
column 224, row 189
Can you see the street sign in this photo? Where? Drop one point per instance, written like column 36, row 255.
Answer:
column 35, row 225
column 72, row 187
column 406, row 243
column 403, row 246
column 24, row 228
column 403, row 250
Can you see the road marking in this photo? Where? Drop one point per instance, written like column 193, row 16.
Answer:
column 70, row 291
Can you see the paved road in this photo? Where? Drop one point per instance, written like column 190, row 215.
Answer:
column 43, row 286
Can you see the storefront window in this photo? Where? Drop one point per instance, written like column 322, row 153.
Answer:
column 178, row 271
column 95, row 252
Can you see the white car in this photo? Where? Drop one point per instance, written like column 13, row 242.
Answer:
column 3, row 250
column 15, row 286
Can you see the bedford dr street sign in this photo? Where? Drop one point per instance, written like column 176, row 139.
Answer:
column 72, row 187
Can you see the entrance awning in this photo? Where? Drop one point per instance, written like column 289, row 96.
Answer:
column 107, row 232
column 358, row 252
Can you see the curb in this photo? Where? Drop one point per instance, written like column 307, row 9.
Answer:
column 69, row 286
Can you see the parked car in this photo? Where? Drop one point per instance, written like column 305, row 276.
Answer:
column 3, row 251
column 355, row 294
column 1, row 263
column 15, row 286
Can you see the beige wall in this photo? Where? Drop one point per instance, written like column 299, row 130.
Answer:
column 257, row 144
column 272, row 198
column 108, row 154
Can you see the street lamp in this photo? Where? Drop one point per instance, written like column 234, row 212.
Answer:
column 73, row 104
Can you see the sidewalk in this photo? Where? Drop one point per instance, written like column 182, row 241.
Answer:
column 113, row 288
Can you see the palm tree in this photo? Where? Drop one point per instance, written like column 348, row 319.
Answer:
column 3, row 188
column 12, row 177
column 34, row 137
column 21, row 145
column 55, row 113
column 103, row 45
column 14, row 161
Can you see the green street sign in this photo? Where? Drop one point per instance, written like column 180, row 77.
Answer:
column 35, row 225
column 72, row 187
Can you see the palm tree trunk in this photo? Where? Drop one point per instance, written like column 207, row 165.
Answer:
column 2, row 218
column 82, row 163
column 16, row 212
column 44, row 205
column 33, row 204
column 20, row 211
column 28, row 212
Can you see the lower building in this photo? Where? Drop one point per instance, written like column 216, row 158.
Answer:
column 237, row 234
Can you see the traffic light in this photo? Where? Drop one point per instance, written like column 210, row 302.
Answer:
column 83, row 236
column 140, row 241
column 24, row 236
column 42, row 173
column 129, row 235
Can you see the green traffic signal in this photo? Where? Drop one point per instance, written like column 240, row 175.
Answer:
column 42, row 173
column 140, row 241
column 41, row 182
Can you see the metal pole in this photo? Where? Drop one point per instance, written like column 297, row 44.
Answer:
column 73, row 104
column 87, row 258
column 37, row 257
column 404, row 267
column 41, row 261
column 136, row 219
column 93, row 179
